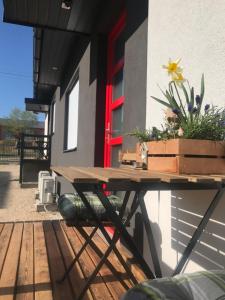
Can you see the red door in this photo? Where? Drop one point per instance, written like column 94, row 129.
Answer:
column 114, row 94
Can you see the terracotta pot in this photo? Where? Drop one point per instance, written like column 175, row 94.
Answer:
column 185, row 156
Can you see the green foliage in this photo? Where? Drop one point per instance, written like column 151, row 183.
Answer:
column 20, row 121
column 147, row 135
column 174, row 99
column 187, row 118
column 210, row 126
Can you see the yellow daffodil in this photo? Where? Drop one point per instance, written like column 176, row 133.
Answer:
column 173, row 67
column 178, row 78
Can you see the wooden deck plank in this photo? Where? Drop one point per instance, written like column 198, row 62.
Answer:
column 34, row 255
column 112, row 257
column 42, row 287
column 98, row 287
column 25, row 277
column 1, row 228
column 76, row 277
column 113, row 284
column 4, row 243
column 136, row 269
column 56, row 265
column 9, row 272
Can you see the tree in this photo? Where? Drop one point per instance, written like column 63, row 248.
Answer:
column 20, row 121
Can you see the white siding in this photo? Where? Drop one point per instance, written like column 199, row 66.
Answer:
column 192, row 30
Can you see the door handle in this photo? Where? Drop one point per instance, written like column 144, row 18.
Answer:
column 108, row 130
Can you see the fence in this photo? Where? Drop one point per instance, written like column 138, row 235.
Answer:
column 34, row 156
column 9, row 151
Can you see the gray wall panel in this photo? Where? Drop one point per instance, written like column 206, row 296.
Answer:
column 84, row 154
column 135, row 69
column 92, row 75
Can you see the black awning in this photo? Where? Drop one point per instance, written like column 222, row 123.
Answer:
column 66, row 15
column 36, row 106
column 62, row 28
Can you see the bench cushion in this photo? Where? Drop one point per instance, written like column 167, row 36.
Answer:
column 72, row 208
column 204, row 285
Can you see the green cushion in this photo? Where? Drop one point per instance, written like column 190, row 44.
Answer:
column 205, row 285
column 72, row 208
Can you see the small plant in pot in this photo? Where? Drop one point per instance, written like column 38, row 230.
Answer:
column 192, row 137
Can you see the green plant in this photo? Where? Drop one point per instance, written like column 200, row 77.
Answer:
column 186, row 117
column 146, row 135
column 210, row 126
column 189, row 119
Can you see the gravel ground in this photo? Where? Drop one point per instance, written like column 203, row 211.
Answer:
column 18, row 204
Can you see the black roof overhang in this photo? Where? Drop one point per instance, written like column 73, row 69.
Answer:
column 57, row 30
column 36, row 106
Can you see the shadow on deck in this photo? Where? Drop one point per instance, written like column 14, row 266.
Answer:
column 33, row 255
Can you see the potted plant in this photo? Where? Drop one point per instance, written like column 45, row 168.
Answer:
column 192, row 138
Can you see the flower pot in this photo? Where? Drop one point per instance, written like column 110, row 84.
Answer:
column 186, row 156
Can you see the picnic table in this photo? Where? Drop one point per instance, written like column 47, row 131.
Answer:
column 135, row 183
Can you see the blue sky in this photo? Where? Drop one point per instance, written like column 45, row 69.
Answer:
column 16, row 52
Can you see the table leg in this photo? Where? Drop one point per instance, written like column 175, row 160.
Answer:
column 111, row 247
column 87, row 241
column 105, row 233
column 151, row 240
column 199, row 231
column 121, row 228
column 100, row 254
column 112, row 242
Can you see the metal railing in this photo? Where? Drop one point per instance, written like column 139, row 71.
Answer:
column 9, row 151
column 34, row 147
column 35, row 153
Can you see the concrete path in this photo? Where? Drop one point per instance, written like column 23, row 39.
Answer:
column 18, row 204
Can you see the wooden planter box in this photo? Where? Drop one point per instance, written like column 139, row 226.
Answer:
column 184, row 156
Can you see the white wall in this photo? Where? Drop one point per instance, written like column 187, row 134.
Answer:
column 193, row 30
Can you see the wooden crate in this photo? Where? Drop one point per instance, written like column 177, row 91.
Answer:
column 127, row 157
column 184, row 156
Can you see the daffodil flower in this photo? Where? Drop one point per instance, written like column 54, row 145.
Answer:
column 173, row 67
column 178, row 78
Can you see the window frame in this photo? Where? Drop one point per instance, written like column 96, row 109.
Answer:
column 75, row 80
column 53, row 117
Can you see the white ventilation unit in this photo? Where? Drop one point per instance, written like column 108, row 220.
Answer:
column 47, row 187
column 40, row 175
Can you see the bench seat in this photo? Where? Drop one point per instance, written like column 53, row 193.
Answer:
column 73, row 210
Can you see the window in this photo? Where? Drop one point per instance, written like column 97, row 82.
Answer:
column 72, row 118
column 53, row 117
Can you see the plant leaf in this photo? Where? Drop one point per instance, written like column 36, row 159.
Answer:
column 172, row 100
column 202, row 87
column 185, row 93
column 164, row 94
column 162, row 102
column 171, row 89
column 192, row 97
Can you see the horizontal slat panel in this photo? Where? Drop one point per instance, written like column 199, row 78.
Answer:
column 94, row 174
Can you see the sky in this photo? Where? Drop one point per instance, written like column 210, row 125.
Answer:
column 16, row 65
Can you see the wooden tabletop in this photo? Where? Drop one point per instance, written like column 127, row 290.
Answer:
column 95, row 175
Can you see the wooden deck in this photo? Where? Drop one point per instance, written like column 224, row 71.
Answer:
column 33, row 256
